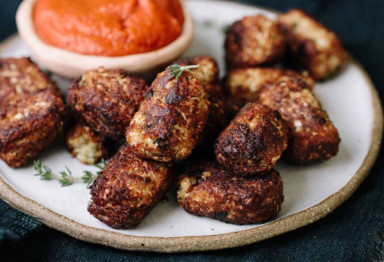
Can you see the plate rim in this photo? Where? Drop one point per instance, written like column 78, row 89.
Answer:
column 209, row 242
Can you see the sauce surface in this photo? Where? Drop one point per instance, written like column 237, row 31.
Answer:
column 108, row 27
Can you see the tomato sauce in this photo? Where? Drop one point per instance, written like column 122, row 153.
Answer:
column 108, row 27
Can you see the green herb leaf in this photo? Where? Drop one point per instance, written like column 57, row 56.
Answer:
column 37, row 167
column 101, row 165
column 46, row 173
column 176, row 70
column 65, row 178
column 88, row 177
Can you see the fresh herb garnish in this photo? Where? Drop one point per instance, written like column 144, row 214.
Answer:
column 177, row 70
column 65, row 178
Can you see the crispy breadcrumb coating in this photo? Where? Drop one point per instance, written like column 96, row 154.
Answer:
column 208, row 73
column 32, row 111
column 254, row 40
column 128, row 188
column 210, row 190
column 107, row 99
column 311, row 45
column 170, row 119
column 313, row 136
column 246, row 84
column 208, row 70
column 253, row 142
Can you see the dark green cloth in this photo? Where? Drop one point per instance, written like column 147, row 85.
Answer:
column 353, row 232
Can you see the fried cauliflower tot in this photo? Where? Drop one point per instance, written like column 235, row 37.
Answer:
column 254, row 40
column 208, row 73
column 107, row 99
column 32, row 111
column 253, row 142
column 245, row 84
column 311, row 45
column 127, row 189
column 210, row 190
column 313, row 136
column 19, row 76
column 85, row 144
column 170, row 119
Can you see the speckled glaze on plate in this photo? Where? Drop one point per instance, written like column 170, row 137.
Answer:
column 310, row 192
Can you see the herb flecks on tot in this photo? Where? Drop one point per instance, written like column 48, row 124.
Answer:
column 65, row 178
column 177, row 70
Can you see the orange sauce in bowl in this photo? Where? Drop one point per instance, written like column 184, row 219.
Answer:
column 108, row 27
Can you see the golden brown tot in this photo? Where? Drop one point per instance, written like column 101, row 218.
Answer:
column 170, row 119
column 32, row 111
column 254, row 40
column 311, row 46
column 313, row 136
column 127, row 189
column 253, row 141
column 210, row 190
column 208, row 73
column 107, row 99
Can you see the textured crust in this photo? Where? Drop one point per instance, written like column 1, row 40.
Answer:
column 170, row 119
column 254, row 40
column 209, row 190
column 246, row 84
column 85, row 144
column 107, row 99
column 20, row 76
column 127, row 189
column 208, row 70
column 311, row 45
column 313, row 136
column 208, row 73
column 253, row 142
column 32, row 111
column 217, row 117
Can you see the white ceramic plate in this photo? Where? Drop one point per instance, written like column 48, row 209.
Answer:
column 310, row 192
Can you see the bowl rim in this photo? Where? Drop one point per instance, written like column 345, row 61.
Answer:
column 209, row 242
column 135, row 62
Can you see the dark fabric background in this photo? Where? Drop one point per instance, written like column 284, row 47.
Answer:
column 353, row 232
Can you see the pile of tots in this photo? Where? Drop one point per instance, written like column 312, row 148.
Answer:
column 218, row 139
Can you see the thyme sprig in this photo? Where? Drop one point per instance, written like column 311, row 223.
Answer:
column 65, row 177
column 177, row 70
